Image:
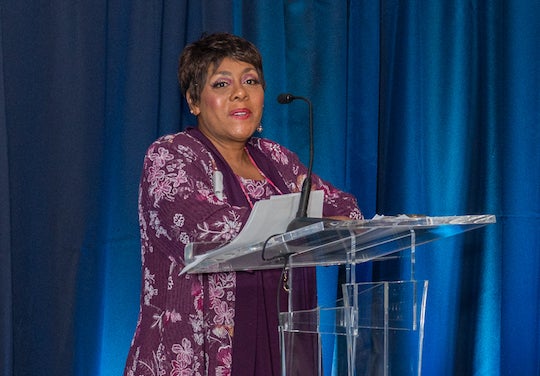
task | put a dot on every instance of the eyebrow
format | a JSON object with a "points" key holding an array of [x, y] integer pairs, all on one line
{"points": [[228, 73]]}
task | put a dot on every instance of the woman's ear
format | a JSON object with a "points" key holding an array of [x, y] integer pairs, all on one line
{"points": [[193, 107]]}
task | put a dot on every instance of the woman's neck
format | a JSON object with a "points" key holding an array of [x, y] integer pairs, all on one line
{"points": [[241, 163], [236, 156]]}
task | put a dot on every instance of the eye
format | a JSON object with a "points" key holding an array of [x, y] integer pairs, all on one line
{"points": [[252, 81], [220, 84]]}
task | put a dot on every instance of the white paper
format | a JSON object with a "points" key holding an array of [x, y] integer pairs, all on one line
{"points": [[269, 217], [272, 216]]}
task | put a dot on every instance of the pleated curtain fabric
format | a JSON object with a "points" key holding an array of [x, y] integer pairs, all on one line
{"points": [[420, 107]]}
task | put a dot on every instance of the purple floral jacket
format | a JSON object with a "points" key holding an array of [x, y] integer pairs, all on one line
{"points": [[186, 322]]}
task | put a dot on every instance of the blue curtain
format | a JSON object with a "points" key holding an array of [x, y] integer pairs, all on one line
{"points": [[6, 312], [459, 124], [425, 107]]}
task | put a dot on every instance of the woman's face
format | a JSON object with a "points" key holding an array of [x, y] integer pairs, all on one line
{"points": [[231, 103]]}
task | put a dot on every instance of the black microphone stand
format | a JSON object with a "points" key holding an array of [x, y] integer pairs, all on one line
{"points": [[301, 219]]}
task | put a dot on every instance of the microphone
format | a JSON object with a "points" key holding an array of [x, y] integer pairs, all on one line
{"points": [[302, 219], [286, 98]]}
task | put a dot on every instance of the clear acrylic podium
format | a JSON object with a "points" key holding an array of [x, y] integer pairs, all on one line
{"points": [[376, 328]]}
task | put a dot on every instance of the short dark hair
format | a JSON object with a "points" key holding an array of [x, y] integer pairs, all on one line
{"points": [[209, 51]]}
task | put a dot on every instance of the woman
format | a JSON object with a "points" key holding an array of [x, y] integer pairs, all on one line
{"points": [[221, 323]]}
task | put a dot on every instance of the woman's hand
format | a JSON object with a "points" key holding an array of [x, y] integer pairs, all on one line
{"points": [[339, 218]]}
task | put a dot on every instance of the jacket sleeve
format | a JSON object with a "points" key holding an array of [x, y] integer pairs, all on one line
{"points": [[293, 172], [177, 203]]}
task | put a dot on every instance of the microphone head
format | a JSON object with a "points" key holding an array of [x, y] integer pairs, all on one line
{"points": [[285, 98]]}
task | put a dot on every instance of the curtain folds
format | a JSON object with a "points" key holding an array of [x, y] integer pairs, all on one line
{"points": [[420, 107], [6, 313]]}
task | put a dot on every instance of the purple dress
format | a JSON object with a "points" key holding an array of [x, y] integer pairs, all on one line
{"points": [[220, 323]]}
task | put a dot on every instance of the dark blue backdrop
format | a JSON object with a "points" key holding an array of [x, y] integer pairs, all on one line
{"points": [[428, 107]]}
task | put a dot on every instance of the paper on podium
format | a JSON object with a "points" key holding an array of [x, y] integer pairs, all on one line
{"points": [[268, 217], [272, 216]]}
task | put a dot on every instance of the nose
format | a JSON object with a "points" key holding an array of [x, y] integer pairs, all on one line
{"points": [[238, 92]]}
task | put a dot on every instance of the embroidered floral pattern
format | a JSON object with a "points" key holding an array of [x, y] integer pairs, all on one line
{"points": [[225, 228], [256, 189], [275, 151], [149, 290], [186, 322]]}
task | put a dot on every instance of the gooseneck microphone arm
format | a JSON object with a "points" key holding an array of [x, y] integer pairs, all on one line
{"points": [[301, 214]]}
